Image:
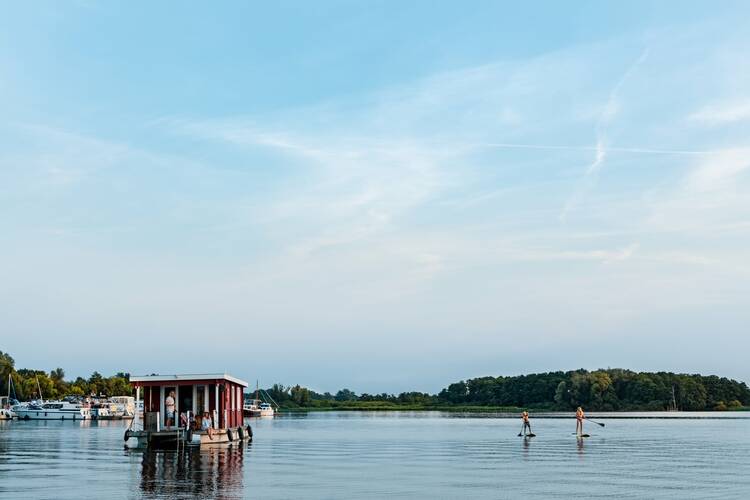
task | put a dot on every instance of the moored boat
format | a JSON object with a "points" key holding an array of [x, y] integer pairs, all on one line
{"points": [[52, 410], [6, 413], [257, 407], [123, 406]]}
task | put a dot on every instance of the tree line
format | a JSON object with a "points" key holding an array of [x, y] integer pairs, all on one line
{"points": [[601, 390], [53, 385]]}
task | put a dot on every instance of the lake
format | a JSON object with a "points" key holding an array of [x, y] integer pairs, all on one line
{"points": [[390, 454]]}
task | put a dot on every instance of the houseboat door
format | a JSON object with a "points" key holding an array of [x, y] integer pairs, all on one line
{"points": [[186, 399]]}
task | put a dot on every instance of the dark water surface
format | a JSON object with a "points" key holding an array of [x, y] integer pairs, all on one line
{"points": [[395, 455]]}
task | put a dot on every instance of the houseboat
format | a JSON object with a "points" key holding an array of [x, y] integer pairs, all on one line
{"points": [[189, 409]]}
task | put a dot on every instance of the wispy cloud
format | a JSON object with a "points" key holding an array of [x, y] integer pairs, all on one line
{"points": [[719, 170], [723, 113], [607, 115]]}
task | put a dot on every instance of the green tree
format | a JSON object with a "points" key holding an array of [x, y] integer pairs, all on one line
{"points": [[345, 395], [7, 367]]}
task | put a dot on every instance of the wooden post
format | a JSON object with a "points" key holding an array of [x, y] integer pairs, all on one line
{"points": [[137, 400], [216, 408]]}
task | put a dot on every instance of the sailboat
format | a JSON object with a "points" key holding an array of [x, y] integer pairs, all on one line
{"points": [[6, 413], [256, 407]]}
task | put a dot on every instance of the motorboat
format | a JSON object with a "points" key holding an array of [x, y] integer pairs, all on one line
{"points": [[123, 406], [266, 410], [52, 410]]}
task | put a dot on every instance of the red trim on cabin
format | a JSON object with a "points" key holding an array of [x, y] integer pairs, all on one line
{"points": [[172, 383]]}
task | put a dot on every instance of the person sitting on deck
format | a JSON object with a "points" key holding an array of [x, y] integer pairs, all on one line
{"points": [[206, 425]]}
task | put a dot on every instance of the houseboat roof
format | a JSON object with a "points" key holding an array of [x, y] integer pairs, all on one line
{"points": [[150, 379]]}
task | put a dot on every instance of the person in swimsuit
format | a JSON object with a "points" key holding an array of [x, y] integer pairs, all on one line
{"points": [[579, 421], [526, 424]]}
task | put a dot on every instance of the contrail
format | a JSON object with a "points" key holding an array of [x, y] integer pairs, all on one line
{"points": [[507, 145]]}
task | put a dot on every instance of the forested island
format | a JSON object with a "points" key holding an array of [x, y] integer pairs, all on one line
{"points": [[611, 389], [602, 390]]}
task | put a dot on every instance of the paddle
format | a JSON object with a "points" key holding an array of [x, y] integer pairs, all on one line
{"points": [[597, 423]]}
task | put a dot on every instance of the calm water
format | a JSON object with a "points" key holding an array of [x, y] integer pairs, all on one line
{"points": [[394, 455]]}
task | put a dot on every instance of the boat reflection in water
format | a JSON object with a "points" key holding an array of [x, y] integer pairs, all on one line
{"points": [[205, 471]]}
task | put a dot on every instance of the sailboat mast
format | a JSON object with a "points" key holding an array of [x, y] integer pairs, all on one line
{"points": [[40, 390]]}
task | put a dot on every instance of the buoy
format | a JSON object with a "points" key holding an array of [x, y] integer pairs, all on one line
{"points": [[249, 433], [241, 433], [127, 434], [229, 435]]}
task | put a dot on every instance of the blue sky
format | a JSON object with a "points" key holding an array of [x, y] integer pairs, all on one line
{"points": [[381, 195]]}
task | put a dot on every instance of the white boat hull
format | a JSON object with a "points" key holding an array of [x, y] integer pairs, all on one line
{"points": [[81, 414]]}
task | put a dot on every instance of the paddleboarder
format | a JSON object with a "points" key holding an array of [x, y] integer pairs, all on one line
{"points": [[526, 424], [579, 421]]}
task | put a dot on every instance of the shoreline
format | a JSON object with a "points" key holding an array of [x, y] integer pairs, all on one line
{"points": [[505, 412]]}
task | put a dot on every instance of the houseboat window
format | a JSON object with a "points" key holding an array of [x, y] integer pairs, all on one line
{"points": [[200, 399]]}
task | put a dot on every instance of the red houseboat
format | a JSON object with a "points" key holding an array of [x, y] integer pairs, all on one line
{"points": [[191, 409]]}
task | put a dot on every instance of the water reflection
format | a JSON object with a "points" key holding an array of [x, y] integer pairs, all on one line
{"points": [[214, 472]]}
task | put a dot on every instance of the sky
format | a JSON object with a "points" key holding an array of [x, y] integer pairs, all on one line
{"points": [[382, 195]]}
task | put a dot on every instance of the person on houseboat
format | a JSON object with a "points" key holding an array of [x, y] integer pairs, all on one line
{"points": [[169, 407], [206, 425]]}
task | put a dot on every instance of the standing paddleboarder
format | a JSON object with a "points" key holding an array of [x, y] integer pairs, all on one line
{"points": [[579, 421], [526, 424]]}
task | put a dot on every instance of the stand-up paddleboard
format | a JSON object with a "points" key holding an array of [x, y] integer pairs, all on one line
{"points": [[531, 435], [581, 435]]}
